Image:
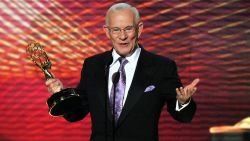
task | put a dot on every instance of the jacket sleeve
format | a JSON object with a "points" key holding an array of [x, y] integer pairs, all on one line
{"points": [[169, 82], [82, 110]]}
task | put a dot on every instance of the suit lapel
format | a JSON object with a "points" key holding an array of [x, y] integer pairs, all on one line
{"points": [[140, 80], [102, 83]]}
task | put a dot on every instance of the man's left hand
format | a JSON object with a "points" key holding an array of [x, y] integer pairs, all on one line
{"points": [[184, 94]]}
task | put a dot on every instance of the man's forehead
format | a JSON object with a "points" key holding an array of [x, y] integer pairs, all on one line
{"points": [[121, 17]]}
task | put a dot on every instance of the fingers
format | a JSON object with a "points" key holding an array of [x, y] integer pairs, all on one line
{"points": [[54, 85], [180, 92], [191, 88], [195, 82], [50, 81], [191, 91], [184, 94], [181, 95]]}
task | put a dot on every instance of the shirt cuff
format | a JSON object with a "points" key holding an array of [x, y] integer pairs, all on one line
{"points": [[180, 106]]}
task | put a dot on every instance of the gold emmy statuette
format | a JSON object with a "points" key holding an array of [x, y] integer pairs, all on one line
{"points": [[63, 101]]}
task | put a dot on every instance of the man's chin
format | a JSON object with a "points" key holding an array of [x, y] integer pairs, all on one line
{"points": [[124, 50], [124, 53]]}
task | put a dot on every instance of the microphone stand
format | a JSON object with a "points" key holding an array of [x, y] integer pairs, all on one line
{"points": [[106, 96]]}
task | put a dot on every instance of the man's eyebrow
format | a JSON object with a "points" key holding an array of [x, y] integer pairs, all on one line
{"points": [[124, 27]]}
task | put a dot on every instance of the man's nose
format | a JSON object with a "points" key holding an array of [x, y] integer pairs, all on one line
{"points": [[123, 35]]}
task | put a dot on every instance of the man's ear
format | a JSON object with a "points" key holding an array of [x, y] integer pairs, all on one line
{"points": [[106, 30], [140, 28]]}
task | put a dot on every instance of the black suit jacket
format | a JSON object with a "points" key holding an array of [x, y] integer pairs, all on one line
{"points": [[140, 115]]}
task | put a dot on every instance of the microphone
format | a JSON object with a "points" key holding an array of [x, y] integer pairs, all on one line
{"points": [[115, 77]]}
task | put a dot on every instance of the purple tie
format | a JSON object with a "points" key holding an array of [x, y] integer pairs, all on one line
{"points": [[120, 89]]}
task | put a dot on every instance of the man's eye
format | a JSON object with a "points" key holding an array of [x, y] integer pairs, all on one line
{"points": [[116, 29], [130, 28]]}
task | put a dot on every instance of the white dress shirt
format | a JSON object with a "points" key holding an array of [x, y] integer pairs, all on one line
{"points": [[130, 71]]}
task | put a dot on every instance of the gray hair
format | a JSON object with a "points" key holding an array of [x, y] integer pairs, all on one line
{"points": [[122, 6]]}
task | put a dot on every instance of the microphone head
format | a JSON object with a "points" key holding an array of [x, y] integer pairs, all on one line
{"points": [[115, 77]]}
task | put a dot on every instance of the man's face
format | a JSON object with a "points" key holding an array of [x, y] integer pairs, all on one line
{"points": [[123, 31]]}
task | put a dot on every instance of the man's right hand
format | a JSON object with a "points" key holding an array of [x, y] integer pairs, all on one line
{"points": [[54, 85]]}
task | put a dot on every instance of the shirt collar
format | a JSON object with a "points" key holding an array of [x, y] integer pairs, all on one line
{"points": [[132, 58]]}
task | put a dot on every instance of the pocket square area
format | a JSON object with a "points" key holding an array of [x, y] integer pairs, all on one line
{"points": [[149, 88]]}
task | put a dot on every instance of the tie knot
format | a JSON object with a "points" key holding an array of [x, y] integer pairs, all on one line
{"points": [[123, 61]]}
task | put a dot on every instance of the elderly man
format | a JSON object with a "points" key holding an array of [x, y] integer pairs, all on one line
{"points": [[125, 89]]}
